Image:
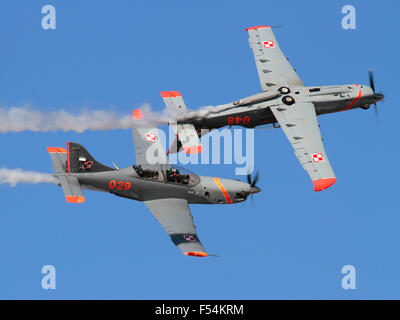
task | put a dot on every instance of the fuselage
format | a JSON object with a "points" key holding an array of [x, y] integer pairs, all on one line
{"points": [[326, 99], [199, 189]]}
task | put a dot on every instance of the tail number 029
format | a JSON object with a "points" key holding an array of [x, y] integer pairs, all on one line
{"points": [[119, 185]]}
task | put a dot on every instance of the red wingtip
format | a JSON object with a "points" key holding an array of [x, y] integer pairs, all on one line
{"points": [[170, 94], [196, 254], [323, 184], [75, 199], [137, 114], [56, 150], [258, 27], [193, 149]]}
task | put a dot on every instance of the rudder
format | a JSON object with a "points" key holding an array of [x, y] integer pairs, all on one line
{"points": [[79, 160]]}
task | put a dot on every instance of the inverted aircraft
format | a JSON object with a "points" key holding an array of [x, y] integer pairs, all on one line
{"points": [[284, 102]]}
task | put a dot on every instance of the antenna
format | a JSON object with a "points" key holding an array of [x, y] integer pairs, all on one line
{"points": [[115, 166]]}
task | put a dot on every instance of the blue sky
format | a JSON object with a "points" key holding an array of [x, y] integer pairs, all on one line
{"points": [[290, 243]]}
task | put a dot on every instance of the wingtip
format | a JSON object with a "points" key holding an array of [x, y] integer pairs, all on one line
{"points": [[75, 199], [170, 94], [323, 184], [56, 150], [257, 27], [196, 254]]}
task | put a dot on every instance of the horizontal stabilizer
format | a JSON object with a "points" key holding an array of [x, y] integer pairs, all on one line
{"points": [[72, 189], [58, 159], [187, 133]]}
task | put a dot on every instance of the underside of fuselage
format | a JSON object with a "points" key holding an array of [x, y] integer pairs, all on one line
{"points": [[329, 99], [259, 117]]}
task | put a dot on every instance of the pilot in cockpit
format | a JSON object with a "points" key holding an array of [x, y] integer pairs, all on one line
{"points": [[173, 175], [146, 173]]}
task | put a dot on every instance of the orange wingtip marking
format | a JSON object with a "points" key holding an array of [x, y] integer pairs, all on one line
{"points": [[196, 254], [193, 149], [75, 199], [137, 114], [323, 184], [56, 150], [258, 27], [223, 190], [170, 94]]}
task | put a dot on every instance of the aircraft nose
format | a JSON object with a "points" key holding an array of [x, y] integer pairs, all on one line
{"points": [[255, 190], [367, 91], [379, 97]]}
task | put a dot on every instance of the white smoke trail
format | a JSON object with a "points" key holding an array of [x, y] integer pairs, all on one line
{"points": [[18, 119], [15, 176], [203, 112]]}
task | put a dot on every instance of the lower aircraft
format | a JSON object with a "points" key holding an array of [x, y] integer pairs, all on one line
{"points": [[166, 190]]}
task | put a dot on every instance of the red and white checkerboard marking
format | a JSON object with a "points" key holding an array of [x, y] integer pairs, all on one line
{"points": [[87, 165], [189, 238], [150, 137], [318, 157], [269, 44]]}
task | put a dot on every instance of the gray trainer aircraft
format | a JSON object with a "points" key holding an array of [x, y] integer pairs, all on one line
{"points": [[284, 100], [164, 189]]}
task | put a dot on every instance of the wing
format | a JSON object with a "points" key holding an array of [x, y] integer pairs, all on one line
{"points": [[148, 147], [186, 132], [274, 69], [299, 122], [174, 215]]}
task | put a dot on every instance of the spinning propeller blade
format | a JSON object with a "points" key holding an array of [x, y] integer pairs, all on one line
{"points": [[377, 96], [252, 183]]}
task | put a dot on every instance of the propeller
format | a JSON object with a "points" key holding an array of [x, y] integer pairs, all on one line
{"points": [[377, 96], [371, 80], [252, 182], [372, 85]]}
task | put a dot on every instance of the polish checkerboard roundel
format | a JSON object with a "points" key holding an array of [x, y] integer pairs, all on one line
{"points": [[318, 157], [189, 237], [150, 136], [87, 165], [269, 44]]}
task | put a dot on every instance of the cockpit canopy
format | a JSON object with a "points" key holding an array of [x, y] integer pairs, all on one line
{"points": [[168, 174]]}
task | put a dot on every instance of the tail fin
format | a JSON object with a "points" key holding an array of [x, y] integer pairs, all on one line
{"points": [[80, 160], [76, 159]]}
